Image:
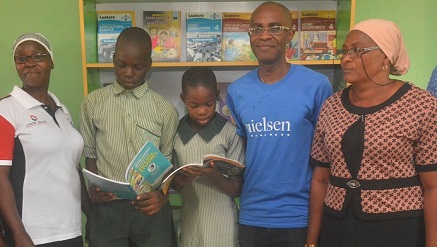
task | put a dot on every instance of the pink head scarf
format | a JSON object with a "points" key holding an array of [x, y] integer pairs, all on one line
{"points": [[387, 36]]}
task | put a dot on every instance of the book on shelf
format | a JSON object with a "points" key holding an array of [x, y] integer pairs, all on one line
{"points": [[318, 35], [228, 167], [164, 28], [222, 107], [204, 31], [293, 51], [236, 42], [145, 172], [109, 26]]}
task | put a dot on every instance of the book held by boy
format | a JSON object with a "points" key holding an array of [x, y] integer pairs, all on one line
{"points": [[144, 173], [109, 26], [164, 28], [204, 31]]}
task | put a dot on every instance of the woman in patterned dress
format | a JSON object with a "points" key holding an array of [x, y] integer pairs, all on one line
{"points": [[374, 150]]}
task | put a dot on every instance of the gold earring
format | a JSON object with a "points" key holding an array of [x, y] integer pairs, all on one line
{"points": [[384, 67]]}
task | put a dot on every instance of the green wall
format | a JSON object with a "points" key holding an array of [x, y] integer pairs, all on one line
{"points": [[58, 20], [417, 21]]}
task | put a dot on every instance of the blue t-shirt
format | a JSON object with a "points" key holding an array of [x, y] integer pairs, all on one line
{"points": [[278, 121]]}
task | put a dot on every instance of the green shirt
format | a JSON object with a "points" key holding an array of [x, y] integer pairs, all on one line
{"points": [[115, 123]]}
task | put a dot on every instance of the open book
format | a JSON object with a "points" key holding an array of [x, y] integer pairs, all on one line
{"points": [[228, 167], [144, 173]]}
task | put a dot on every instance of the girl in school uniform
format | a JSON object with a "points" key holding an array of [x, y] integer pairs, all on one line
{"points": [[209, 212]]}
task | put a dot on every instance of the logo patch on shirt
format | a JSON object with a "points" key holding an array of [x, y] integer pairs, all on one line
{"points": [[266, 128], [35, 121]]}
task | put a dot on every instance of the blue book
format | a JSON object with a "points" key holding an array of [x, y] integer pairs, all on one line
{"points": [[204, 31], [145, 172], [109, 26]]}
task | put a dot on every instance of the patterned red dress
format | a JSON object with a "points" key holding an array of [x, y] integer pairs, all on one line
{"points": [[374, 155]]}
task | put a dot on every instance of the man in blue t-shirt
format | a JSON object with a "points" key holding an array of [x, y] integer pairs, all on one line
{"points": [[275, 108]]}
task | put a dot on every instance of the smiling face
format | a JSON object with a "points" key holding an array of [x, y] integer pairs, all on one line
{"points": [[201, 103], [358, 69], [33, 74], [270, 48]]}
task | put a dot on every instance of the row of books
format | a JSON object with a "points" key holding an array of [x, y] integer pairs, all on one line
{"points": [[216, 36]]}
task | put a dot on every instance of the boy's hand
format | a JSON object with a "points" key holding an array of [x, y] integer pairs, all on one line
{"points": [[151, 202], [97, 195]]}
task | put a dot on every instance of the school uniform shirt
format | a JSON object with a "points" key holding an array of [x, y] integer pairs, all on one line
{"points": [[43, 152], [375, 153], [115, 123], [208, 216]]}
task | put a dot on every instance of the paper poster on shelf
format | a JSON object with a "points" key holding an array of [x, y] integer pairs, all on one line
{"points": [[236, 43], [204, 31], [293, 51], [318, 35], [109, 26], [164, 28]]}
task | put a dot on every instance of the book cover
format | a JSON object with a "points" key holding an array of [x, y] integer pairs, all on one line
{"points": [[318, 35], [222, 107], [145, 172], [293, 51], [236, 42], [109, 26], [203, 30], [164, 28]]}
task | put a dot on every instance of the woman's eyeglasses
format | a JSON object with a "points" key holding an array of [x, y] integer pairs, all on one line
{"points": [[357, 51], [36, 57]]}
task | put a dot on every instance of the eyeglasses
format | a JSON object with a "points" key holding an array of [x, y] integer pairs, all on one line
{"points": [[36, 57], [256, 31], [357, 51]]}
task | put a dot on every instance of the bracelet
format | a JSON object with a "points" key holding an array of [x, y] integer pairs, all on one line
{"points": [[311, 245]]}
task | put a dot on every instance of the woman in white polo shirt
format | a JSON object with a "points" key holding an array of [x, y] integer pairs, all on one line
{"points": [[40, 187]]}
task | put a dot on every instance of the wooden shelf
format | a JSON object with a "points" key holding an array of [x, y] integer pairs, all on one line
{"points": [[87, 13], [214, 64]]}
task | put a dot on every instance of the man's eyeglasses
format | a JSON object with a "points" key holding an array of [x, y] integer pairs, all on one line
{"points": [[357, 51], [256, 31], [36, 57]]}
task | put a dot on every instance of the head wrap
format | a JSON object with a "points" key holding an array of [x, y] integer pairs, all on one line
{"points": [[39, 38], [387, 36]]}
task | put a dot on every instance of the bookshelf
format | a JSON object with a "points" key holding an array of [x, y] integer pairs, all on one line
{"points": [[94, 73]]}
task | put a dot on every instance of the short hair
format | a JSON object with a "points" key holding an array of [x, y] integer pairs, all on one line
{"points": [[135, 36], [285, 11], [199, 77]]}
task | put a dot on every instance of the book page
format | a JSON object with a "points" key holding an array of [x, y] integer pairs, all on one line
{"points": [[165, 185], [122, 190], [228, 167]]}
